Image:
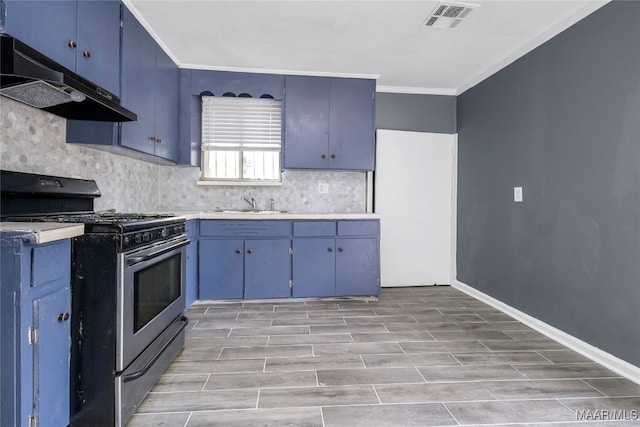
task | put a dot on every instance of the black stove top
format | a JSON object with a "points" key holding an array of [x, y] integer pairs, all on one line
{"points": [[104, 217]]}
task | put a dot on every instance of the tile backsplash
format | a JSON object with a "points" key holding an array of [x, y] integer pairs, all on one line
{"points": [[298, 193], [33, 141]]}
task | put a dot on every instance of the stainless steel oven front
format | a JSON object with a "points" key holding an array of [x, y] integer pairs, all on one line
{"points": [[150, 295]]}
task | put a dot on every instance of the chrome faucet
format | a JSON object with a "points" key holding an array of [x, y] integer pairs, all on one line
{"points": [[273, 204], [251, 201]]}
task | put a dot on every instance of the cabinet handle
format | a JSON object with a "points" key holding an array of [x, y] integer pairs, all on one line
{"points": [[324, 156], [238, 251], [158, 140], [72, 44], [152, 138], [86, 54], [340, 249], [329, 249], [249, 251], [63, 317], [333, 156]]}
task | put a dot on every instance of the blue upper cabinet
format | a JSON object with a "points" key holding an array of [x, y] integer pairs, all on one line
{"points": [[150, 85], [351, 130], [166, 118], [138, 84], [98, 51], [46, 26], [306, 124], [329, 123], [83, 36]]}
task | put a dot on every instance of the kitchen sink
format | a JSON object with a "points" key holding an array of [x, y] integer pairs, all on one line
{"points": [[249, 211]]}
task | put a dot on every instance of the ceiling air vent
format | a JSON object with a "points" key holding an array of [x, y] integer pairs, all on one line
{"points": [[448, 15]]}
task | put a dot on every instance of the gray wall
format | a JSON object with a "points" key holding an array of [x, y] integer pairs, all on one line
{"points": [[414, 112], [563, 122]]}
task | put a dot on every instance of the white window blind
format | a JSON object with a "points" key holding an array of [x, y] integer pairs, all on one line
{"points": [[241, 138]]}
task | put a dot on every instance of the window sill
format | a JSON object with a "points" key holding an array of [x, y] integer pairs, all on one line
{"points": [[240, 183]]}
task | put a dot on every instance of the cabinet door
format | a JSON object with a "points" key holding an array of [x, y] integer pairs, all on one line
{"points": [[306, 122], [98, 34], [191, 285], [351, 136], [357, 266], [138, 84], [47, 26], [314, 272], [221, 269], [166, 120], [51, 357], [267, 268]]}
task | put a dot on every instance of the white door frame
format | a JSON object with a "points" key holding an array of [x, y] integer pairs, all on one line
{"points": [[413, 276], [454, 210]]}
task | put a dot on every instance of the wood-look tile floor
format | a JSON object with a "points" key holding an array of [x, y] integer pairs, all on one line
{"points": [[430, 356]]}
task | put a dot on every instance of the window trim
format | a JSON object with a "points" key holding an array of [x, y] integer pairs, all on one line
{"points": [[244, 183], [241, 146]]}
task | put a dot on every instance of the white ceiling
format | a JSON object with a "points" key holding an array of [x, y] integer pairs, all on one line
{"points": [[381, 39]]}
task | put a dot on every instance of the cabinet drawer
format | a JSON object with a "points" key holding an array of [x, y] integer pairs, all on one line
{"points": [[50, 262], [248, 228], [358, 228], [314, 228]]}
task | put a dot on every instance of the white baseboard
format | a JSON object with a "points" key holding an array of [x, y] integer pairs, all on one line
{"points": [[607, 360]]}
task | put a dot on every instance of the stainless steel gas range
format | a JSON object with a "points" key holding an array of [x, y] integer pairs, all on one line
{"points": [[127, 289]]}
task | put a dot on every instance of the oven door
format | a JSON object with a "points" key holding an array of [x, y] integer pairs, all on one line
{"points": [[150, 295]]}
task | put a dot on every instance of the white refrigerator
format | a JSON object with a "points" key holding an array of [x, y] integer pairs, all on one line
{"points": [[414, 193]]}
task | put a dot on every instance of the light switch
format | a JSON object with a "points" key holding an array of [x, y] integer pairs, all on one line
{"points": [[517, 194], [323, 187]]}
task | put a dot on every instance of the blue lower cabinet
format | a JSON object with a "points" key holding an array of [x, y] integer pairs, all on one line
{"points": [[245, 259], [231, 268], [191, 285], [221, 269], [281, 259], [51, 354], [35, 344], [267, 268], [357, 266], [314, 267], [336, 258]]}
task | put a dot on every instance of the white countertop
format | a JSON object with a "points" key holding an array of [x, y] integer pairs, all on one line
{"points": [[275, 215], [43, 232]]}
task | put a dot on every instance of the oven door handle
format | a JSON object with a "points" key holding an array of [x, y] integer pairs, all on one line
{"points": [[138, 259], [137, 374]]}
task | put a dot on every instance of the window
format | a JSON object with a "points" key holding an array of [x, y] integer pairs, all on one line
{"points": [[241, 139]]}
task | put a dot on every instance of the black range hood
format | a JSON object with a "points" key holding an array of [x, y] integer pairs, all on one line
{"points": [[30, 77], [32, 194]]}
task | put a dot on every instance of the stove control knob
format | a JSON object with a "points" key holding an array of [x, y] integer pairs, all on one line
{"points": [[146, 237], [138, 238], [164, 232], [176, 229]]}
